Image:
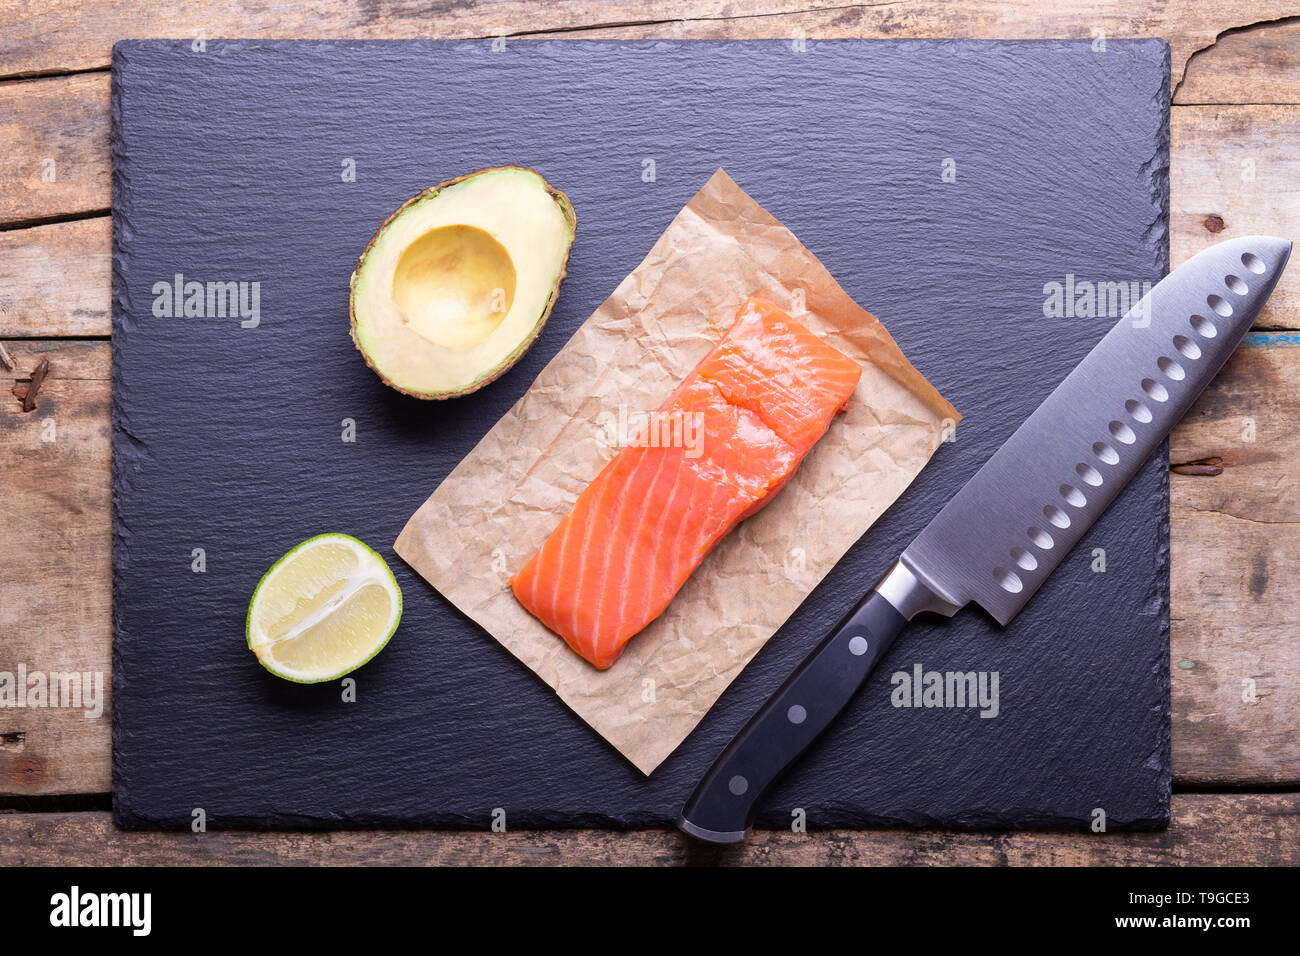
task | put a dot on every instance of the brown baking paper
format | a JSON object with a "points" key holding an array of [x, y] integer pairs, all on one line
{"points": [[499, 504]]}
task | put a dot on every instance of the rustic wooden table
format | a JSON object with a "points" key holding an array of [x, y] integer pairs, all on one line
{"points": [[1235, 660]]}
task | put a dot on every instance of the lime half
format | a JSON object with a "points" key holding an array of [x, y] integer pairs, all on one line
{"points": [[323, 609]]}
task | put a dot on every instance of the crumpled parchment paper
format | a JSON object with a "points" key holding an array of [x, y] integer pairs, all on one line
{"points": [[499, 504]]}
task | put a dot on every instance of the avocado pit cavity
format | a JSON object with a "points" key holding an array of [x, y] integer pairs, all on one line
{"points": [[454, 286]]}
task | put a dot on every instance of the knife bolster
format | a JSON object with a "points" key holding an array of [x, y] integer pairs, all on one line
{"points": [[909, 595]]}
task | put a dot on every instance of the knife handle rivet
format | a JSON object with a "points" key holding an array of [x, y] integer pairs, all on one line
{"points": [[738, 785], [796, 714], [858, 645]]}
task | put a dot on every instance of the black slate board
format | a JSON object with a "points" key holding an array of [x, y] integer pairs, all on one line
{"points": [[227, 166]]}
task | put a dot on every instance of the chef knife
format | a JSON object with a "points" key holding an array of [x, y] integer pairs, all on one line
{"points": [[999, 538]]}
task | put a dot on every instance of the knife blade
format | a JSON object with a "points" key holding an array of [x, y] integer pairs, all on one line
{"points": [[995, 542]]}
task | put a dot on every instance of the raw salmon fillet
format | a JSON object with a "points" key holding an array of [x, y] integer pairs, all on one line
{"points": [[716, 451]]}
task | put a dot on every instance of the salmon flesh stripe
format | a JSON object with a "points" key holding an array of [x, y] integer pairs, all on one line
{"points": [[726, 440]]}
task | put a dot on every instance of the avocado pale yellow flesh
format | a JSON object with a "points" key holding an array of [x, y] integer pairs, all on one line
{"points": [[458, 282]]}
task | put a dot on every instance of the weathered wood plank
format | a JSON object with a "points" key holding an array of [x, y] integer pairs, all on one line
{"points": [[54, 279], [1236, 172], [1235, 540], [1207, 830], [53, 147], [69, 35], [54, 564], [1246, 65]]}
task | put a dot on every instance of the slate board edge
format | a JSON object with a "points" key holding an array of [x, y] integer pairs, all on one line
{"points": [[119, 452], [216, 45], [1161, 196]]}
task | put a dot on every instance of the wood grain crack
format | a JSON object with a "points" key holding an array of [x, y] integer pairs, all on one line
{"points": [[1207, 467], [1236, 517], [14, 79], [1230, 31], [33, 222]]}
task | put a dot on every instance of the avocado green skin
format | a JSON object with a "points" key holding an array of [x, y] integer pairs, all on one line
{"points": [[248, 616], [566, 207]]}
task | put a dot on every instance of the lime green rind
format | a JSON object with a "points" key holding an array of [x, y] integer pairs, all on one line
{"points": [[248, 617]]}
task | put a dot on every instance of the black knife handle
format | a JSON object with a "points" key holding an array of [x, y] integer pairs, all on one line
{"points": [[722, 806]]}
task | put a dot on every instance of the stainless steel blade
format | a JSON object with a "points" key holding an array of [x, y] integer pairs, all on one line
{"points": [[1000, 537]]}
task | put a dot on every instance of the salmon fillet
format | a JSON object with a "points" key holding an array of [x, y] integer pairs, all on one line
{"points": [[725, 441]]}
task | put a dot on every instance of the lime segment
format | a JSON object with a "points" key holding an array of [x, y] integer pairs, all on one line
{"points": [[323, 610]]}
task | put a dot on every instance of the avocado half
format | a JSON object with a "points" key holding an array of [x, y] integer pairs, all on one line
{"points": [[458, 282]]}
